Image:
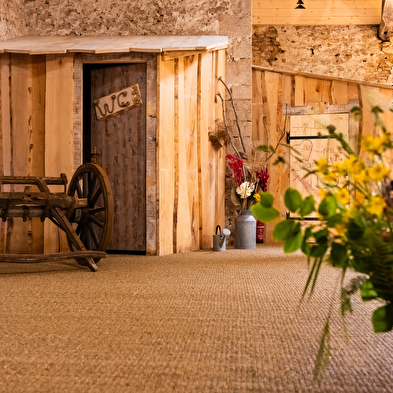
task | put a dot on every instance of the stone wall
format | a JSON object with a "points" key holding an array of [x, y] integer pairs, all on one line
{"points": [[230, 18], [351, 52], [12, 19]]}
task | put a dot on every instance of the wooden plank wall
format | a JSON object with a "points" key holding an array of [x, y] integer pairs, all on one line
{"points": [[191, 171], [22, 110], [38, 114], [317, 12], [277, 93], [36, 137], [59, 138]]}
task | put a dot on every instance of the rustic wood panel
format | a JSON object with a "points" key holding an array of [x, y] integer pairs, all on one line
{"points": [[339, 93], [366, 103], [59, 112], [316, 91], [19, 232], [182, 215], [317, 12], [310, 95], [298, 96], [207, 152], [191, 147], [120, 142], [312, 150], [166, 125], [5, 134], [258, 130], [105, 44], [38, 141], [151, 156], [220, 59]]}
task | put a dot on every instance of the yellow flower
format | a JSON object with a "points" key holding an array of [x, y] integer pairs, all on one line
{"points": [[386, 138], [356, 167], [373, 145], [330, 178], [257, 197], [340, 229], [347, 216], [359, 200], [322, 165], [378, 172], [376, 205], [360, 177], [322, 193], [342, 196], [347, 164], [340, 168]]}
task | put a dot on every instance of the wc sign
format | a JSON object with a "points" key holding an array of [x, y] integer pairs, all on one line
{"points": [[118, 102]]}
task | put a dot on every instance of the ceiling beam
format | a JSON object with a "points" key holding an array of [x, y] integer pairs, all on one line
{"points": [[386, 26]]}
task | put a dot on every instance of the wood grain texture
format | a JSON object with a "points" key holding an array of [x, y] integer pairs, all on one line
{"points": [[313, 96], [59, 150], [317, 12], [19, 232], [38, 141], [191, 147], [107, 44], [182, 215], [120, 142], [5, 132], [220, 60], [207, 153], [166, 124]]}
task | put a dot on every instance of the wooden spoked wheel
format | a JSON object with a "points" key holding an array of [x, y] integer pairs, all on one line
{"points": [[93, 223]]}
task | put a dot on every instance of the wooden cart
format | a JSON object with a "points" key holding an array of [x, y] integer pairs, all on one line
{"points": [[85, 212]]}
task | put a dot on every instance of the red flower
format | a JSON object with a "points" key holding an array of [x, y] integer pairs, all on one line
{"points": [[236, 164], [262, 177]]}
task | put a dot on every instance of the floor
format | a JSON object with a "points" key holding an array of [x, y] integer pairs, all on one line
{"points": [[196, 322]]}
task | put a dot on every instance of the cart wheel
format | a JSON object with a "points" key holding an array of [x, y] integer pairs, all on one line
{"points": [[93, 223]]}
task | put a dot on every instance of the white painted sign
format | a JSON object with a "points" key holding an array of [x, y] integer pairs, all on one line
{"points": [[121, 101]]}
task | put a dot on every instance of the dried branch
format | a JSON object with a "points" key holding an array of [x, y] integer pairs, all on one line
{"points": [[225, 125], [234, 111]]}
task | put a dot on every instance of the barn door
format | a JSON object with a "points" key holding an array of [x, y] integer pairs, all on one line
{"points": [[114, 138]]}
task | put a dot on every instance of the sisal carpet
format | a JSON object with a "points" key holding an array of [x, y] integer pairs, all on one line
{"points": [[197, 322]]}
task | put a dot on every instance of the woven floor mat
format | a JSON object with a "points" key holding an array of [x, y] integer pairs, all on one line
{"points": [[196, 322]]}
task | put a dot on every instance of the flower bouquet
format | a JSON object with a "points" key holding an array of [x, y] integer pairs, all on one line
{"points": [[248, 182], [354, 230]]}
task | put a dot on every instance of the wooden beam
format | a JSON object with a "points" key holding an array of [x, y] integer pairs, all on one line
{"points": [[386, 26]]}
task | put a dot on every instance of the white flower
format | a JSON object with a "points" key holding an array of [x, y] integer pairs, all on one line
{"points": [[245, 189]]}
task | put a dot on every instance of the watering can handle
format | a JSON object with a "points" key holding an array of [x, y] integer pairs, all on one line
{"points": [[218, 228]]}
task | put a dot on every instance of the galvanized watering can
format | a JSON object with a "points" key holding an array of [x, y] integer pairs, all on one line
{"points": [[219, 239]]}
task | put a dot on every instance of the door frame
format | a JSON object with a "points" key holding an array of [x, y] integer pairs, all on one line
{"points": [[151, 128]]}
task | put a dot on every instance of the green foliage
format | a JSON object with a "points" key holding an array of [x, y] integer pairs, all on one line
{"points": [[324, 351], [327, 207], [367, 291], [350, 234], [339, 255], [292, 199], [307, 206], [383, 319], [264, 209]]}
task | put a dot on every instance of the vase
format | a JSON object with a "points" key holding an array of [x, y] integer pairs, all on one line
{"points": [[246, 231]]}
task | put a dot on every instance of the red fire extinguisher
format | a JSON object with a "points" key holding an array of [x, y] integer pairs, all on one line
{"points": [[260, 231]]}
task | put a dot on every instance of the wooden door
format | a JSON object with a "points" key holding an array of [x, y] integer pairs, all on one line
{"points": [[117, 142]]}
